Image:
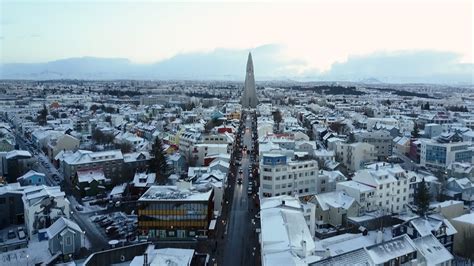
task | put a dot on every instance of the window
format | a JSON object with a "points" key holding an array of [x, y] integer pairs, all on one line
{"points": [[68, 241]]}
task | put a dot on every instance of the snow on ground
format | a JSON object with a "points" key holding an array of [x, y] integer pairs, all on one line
{"points": [[36, 252]]}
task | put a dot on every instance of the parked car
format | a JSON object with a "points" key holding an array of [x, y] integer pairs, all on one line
{"points": [[106, 222], [21, 233], [110, 230], [11, 234], [99, 218]]}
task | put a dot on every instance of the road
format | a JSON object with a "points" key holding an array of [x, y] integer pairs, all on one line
{"points": [[240, 233], [97, 239]]}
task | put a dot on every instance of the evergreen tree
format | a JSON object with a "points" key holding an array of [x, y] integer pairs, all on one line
{"points": [[42, 116], [422, 198], [158, 163], [415, 132]]}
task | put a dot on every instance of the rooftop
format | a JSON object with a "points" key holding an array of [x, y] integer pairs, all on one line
{"points": [[173, 193]]}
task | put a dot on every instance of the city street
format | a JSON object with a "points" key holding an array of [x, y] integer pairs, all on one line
{"points": [[240, 232]]}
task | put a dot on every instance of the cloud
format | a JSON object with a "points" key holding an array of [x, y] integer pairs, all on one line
{"points": [[404, 66], [269, 60]]}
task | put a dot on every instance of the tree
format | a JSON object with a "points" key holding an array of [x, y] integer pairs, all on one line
{"points": [[108, 119], [337, 127], [125, 147], [158, 162], [277, 118], [415, 133], [422, 198], [94, 108], [42, 116]]}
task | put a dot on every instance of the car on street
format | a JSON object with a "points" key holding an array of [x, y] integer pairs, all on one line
{"points": [[249, 190], [79, 208], [21, 233], [11, 234], [239, 180]]}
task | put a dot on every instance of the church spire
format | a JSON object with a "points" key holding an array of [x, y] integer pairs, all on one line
{"points": [[249, 96]]}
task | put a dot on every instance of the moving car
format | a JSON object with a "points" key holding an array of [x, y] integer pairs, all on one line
{"points": [[239, 180]]}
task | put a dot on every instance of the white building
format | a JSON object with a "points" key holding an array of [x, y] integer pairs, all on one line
{"points": [[285, 238], [391, 184], [280, 176], [355, 155], [43, 205], [363, 194]]}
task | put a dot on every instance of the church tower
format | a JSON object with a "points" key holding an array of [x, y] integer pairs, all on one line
{"points": [[249, 97]]}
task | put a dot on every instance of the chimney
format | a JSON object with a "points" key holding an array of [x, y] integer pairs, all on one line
{"points": [[303, 246], [379, 237], [327, 253]]}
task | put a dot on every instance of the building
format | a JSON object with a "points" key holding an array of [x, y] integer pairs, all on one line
{"points": [[434, 225], [65, 237], [42, 206], [355, 155], [32, 178], [175, 212], [464, 225], [380, 139], [280, 176], [391, 184], [363, 194], [11, 205], [91, 182], [249, 96], [61, 142], [441, 152], [397, 251], [333, 208], [111, 163], [285, 238]]}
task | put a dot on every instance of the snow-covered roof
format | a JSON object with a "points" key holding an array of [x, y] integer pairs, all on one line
{"points": [[356, 185], [59, 225], [87, 176], [174, 193], [84, 157], [389, 250], [334, 199], [30, 174], [17, 153], [143, 179], [165, 256], [284, 230], [466, 218], [432, 250]]}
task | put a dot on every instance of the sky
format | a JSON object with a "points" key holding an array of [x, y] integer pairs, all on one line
{"points": [[312, 37]]}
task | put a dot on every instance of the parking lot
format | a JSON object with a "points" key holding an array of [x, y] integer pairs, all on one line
{"points": [[117, 226]]}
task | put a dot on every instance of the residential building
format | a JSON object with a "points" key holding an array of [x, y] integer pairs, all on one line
{"points": [[391, 184], [32, 178], [285, 238], [355, 155], [380, 139], [111, 163], [333, 208], [11, 205], [65, 237], [42, 206], [363, 194], [281, 176]]}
